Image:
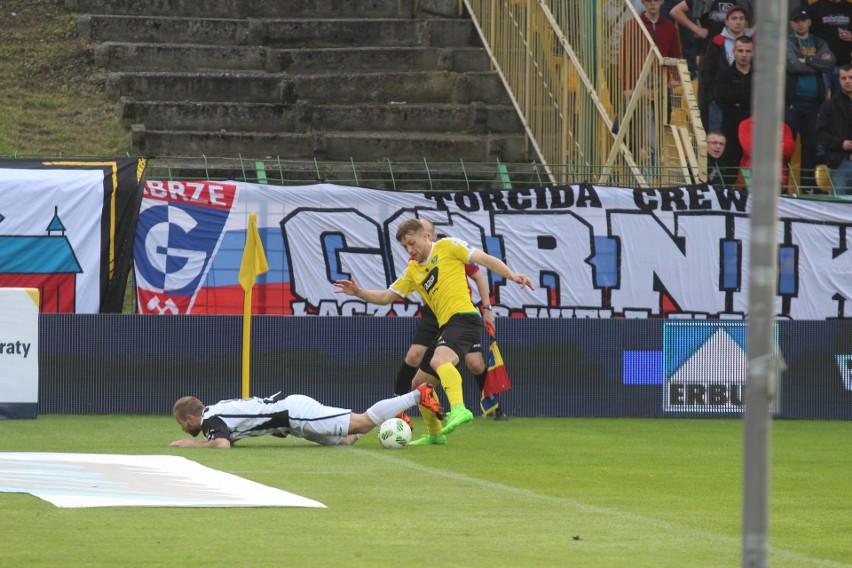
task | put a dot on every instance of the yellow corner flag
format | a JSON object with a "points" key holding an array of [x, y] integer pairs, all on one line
{"points": [[254, 259], [253, 263]]}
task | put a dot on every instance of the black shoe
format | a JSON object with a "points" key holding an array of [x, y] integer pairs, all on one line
{"points": [[499, 415]]}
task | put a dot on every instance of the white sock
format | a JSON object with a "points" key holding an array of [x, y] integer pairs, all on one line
{"points": [[390, 407]]}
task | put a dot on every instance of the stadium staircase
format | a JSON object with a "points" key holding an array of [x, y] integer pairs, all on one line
{"points": [[328, 80]]}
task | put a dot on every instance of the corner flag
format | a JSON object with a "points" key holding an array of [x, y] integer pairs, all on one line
{"points": [[254, 259], [252, 264], [496, 378]]}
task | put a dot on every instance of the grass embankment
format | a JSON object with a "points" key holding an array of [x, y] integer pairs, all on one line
{"points": [[52, 101]]}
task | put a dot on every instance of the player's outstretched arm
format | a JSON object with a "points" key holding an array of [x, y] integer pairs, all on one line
{"points": [[351, 288], [494, 264], [482, 287]]}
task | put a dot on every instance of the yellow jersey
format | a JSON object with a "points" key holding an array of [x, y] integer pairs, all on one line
{"points": [[441, 281]]}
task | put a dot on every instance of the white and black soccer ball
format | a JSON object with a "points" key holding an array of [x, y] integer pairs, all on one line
{"points": [[394, 434]]}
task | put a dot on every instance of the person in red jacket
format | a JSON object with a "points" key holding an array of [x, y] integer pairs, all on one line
{"points": [[634, 49], [788, 146]]}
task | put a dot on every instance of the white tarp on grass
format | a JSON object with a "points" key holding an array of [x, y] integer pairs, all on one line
{"points": [[106, 480]]}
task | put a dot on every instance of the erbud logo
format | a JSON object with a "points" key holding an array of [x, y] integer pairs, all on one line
{"points": [[705, 366]]}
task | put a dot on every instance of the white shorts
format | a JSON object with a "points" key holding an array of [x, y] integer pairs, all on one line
{"points": [[316, 422]]}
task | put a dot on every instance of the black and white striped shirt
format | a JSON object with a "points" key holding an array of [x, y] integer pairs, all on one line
{"points": [[244, 418]]}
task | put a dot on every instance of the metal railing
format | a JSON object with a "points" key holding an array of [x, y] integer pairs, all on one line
{"points": [[419, 175], [422, 175], [594, 91]]}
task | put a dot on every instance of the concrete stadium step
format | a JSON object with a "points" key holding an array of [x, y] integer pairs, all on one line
{"points": [[350, 88], [474, 118], [304, 33], [303, 79], [337, 146], [176, 57], [265, 8]]}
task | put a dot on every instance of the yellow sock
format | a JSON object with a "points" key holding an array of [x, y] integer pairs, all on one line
{"points": [[451, 380], [433, 425]]}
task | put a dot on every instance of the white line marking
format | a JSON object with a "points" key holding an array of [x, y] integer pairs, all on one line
{"points": [[564, 502]]}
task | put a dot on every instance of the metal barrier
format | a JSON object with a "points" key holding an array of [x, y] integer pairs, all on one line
{"points": [[425, 175], [594, 92], [422, 175], [418, 176]]}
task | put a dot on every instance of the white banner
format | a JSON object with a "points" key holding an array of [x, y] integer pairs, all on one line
{"points": [[18, 352], [50, 235], [109, 480], [593, 252]]}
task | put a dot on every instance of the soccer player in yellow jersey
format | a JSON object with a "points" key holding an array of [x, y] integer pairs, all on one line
{"points": [[436, 272]]}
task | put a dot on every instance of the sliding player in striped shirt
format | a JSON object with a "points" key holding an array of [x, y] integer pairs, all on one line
{"points": [[296, 415]]}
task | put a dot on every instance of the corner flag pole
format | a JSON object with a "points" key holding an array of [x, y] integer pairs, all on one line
{"points": [[252, 264], [768, 97]]}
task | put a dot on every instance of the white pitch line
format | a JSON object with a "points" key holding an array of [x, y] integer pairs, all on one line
{"points": [[564, 502]]}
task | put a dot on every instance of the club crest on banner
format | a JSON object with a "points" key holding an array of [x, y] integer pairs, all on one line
{"points": [[179, 231]]}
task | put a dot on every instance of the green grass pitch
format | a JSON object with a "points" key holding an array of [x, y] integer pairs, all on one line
{"points": [[527, 492]]}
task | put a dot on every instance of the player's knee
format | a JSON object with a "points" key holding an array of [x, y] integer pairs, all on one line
{"points": [[442, 357], [476, 367], [413, 361], [415, 355], [360, 424]]}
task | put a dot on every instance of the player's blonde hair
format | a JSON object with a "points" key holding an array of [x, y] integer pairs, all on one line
{"points": [[409, 227], [187, 406]]}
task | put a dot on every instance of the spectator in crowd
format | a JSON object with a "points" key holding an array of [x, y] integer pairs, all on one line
{"points": [[718, 173], [732, 90], [711, 14], [719, 52], [834, 133], [788, 146], [830, 22], [808, 57], [634, 50], [687, 39]]}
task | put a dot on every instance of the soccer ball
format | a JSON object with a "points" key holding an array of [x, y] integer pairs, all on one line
{"points": [[394, 434]]}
